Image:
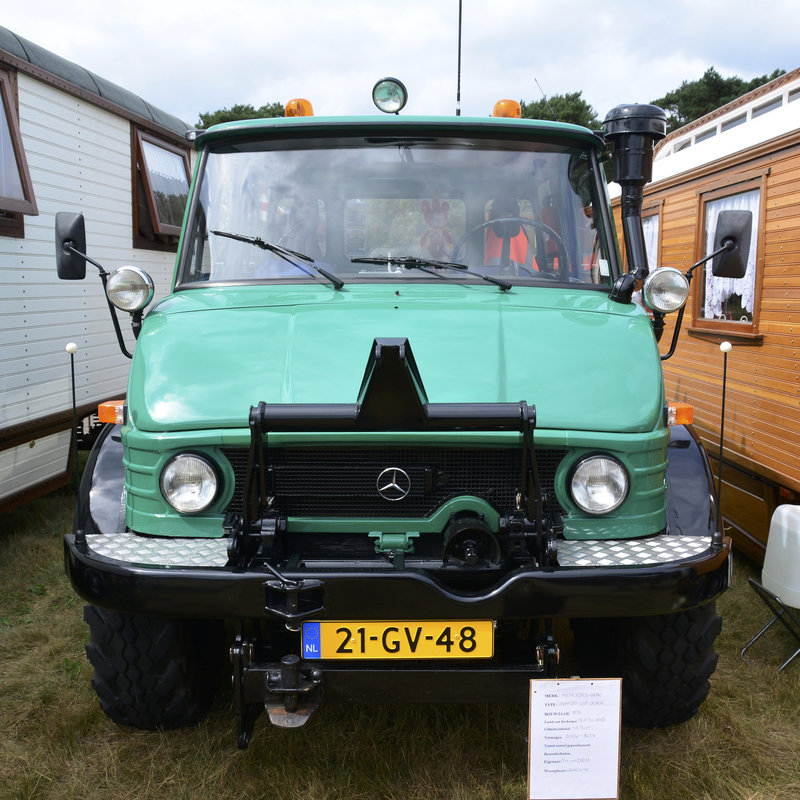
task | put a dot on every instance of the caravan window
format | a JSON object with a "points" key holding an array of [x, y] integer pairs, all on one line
{"points": [[16, 189], [726, 302], [651, 229]]}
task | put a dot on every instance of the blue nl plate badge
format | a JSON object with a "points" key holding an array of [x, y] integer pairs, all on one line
{"points": [[311, 640]]}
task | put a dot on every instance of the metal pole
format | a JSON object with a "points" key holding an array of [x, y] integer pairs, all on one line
{"points": [[72, 348], [458, 81], [725, 348]]}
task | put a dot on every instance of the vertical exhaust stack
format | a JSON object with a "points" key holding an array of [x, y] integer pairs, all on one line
{"points": [[634, 130]]}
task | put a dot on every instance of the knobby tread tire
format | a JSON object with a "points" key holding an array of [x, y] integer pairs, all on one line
{"points": [[153, 673], [667, 663]]}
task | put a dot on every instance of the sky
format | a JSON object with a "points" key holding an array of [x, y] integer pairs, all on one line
{"points": [[193, 57]]}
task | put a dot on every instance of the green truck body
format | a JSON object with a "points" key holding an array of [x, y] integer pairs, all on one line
{"points": [[377, 410]]}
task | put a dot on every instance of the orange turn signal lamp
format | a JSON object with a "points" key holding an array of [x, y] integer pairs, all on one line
{"points": [[507, 108], [299, 107], [680, 414], [112, 411]]}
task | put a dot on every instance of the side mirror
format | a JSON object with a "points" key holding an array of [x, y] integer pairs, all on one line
{"points": [[733, 231], [70, 246]]}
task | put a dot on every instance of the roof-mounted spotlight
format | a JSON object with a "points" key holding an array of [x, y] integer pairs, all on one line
{"points": [[389, 95]]}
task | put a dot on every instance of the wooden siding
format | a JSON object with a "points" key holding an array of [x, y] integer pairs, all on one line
{"points": [[762, 420]]}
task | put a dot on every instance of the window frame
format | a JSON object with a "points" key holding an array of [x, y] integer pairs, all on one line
{"points": [[192, 262], [12, 210], [142, 183], [719, 191]]}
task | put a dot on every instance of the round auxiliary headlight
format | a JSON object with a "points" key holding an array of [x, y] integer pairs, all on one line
{"points": [[129, 288], [189, 483], [389, 95], [665, 290], [599, 484]]}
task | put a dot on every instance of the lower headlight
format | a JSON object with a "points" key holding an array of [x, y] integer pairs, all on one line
{"points": [[189, 483], [599, 484]]}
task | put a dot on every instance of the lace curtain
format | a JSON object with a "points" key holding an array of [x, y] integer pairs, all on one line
{"points": [[650, 229], [720, 290]]}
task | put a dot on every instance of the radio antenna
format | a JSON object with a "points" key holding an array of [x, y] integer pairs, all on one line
{"points": [[458, 78], [544, 97]]}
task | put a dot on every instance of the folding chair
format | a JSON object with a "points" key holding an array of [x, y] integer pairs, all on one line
{"points": [[780, 577]]}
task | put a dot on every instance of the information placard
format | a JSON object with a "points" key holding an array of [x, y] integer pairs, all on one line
{"points": [[574, 739]]}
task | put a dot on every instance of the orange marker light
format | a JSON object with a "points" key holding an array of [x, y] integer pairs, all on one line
{"points": [[299, 107], [680, 414], [507, 108], [112, 411]]}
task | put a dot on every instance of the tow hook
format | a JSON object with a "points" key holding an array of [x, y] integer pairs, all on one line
{"points": [[286, 691], [286, 687], [548, 656]]}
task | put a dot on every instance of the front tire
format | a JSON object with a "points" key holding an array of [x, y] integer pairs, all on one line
{"points": [[153, 673], [665, 662]]}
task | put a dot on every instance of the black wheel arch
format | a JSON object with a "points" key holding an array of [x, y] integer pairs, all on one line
{"points": [[101, 507], [691, 494]]}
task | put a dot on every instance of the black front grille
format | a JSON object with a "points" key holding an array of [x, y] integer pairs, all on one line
{"points": [[343, 482]]}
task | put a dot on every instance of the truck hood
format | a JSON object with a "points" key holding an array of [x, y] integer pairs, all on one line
{"points": [[205, 356]]}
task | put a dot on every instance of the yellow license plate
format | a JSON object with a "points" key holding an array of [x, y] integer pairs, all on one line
{"points": [[398, 639]]}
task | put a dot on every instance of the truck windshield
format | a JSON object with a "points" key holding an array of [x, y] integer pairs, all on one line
{"points": [[366, 210]]}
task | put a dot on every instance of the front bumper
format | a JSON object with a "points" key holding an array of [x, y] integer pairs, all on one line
{"points": [[189, 578]]}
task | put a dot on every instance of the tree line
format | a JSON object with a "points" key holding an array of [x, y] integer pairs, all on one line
{"points": [[691, 100]]}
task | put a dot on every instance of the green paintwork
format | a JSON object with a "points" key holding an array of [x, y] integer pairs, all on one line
{"points": [[394, 542], [643, 454], [464, 127], [205, 356]]}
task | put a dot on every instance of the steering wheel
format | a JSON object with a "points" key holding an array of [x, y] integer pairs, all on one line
{"points": [[562, 250]]}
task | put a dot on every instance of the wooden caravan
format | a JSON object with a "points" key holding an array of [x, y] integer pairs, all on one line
{"points": [[71, 141], [745, 156]]}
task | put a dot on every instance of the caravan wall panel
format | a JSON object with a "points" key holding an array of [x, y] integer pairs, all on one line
{"points": [[80, 160]]}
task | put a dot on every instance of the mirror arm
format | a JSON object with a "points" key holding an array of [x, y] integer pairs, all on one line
{"points": [[728, 244], [69, 247], [675, 333]]}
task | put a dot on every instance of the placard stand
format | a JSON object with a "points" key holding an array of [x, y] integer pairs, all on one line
{"points": [[574, 739]]}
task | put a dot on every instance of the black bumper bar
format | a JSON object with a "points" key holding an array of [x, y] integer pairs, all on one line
{"points": [[223, 592]]}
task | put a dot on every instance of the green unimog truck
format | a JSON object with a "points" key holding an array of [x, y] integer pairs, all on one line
{"points": [[398, 432]]}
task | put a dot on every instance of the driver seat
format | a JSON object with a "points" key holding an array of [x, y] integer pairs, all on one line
{"points": [[506, 240]]}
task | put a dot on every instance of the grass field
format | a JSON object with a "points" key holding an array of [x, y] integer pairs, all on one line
{"points": [[56, 743]]}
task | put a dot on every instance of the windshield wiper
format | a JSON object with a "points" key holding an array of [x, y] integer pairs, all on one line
{"points": [[292, 256], [430, 265]]}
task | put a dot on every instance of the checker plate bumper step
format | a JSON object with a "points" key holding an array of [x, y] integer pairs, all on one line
{"points": [[183, 552]]}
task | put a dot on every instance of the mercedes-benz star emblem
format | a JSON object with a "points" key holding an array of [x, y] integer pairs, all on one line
{"points": [[393, 484]]}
